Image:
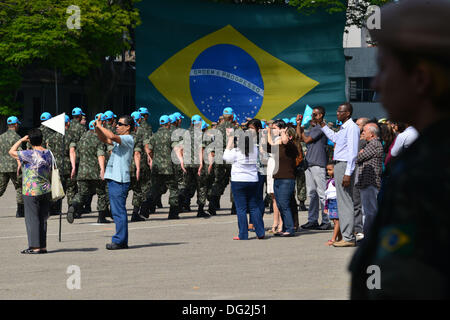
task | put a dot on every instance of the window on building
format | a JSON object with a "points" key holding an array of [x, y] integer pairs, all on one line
{"points": [[361, 91]]}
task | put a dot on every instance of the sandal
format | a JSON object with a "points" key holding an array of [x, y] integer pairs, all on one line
{"points": [[32, 251]]}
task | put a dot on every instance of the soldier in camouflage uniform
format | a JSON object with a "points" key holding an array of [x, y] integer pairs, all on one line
{"points": [[90, 175], [76, 130], [9, 167], [162, 168], [196, 172], [222, 172], [59, 146], [405, 254], [138, 167]]}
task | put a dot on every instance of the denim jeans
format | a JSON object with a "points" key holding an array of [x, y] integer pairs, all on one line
{"points": [[117, 198], [283, 190], [260, 194], [245, 195]]}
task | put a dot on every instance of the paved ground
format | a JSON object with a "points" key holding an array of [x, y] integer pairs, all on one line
{"points": [[190, 258]]}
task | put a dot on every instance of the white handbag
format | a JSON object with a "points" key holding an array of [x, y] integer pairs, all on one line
{"points": [[56, 185]]}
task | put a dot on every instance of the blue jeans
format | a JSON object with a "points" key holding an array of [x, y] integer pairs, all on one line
{"points": [[245, 196], [117, 199], [283, 190], [260, 195]]}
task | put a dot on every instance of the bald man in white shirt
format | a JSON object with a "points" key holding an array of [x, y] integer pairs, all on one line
{"points": [[345, 152]]}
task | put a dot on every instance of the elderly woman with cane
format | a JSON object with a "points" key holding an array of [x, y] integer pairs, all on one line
{"points": [[36, 189]]}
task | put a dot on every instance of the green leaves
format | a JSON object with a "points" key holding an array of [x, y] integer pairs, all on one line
{"points": [[37, 32]]}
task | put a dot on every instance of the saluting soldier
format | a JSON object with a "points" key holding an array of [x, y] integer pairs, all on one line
{"points": [[162, 168], [90, 176], [9, 167]]}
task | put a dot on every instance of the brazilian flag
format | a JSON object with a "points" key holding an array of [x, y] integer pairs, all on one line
{"points": [[264, 61]]}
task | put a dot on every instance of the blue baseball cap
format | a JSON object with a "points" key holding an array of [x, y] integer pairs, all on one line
{"points": [[143, 110], [178, 115], [164, 119], [98, 114], [109, 114], [228, 111], [12, 120], [173, 118], [45, 116], [91, 125], [104, 117], [67, 119], [286, 120], [77, 112], [196, 118], [136, 115]]}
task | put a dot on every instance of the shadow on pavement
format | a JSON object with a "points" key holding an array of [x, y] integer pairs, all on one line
{"points": [[73, 250], [155, 245]]}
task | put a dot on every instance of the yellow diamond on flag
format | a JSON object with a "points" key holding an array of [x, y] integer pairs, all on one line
{"points": [[225, 69]]}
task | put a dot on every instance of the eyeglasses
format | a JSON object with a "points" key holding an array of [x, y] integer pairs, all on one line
{"points": [[122, 124]]}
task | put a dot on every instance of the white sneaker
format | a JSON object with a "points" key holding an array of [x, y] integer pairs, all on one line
{"points": [[359, 236]]}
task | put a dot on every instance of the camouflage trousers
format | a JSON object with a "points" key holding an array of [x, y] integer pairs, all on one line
{"points": [[222, 173], [193, 182], [140, 188], [161, 182], [17, 183], [88, 187], [300, 182], [71, 188]]}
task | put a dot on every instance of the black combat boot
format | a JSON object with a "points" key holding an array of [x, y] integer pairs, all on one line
{"points": [[74, 212], [20, 213], [102, 217], [212, 205], [173, 213], [201, 213], [135, 217], [301, 206], [158, 203]]}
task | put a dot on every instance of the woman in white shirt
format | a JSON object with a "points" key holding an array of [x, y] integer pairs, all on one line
{"points": [[244, 181]]}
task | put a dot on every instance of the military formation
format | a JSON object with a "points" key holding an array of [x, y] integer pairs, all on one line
{"points": [[172, 159]]}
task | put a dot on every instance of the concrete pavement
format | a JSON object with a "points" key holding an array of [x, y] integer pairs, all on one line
{"points": [[191, 258]]}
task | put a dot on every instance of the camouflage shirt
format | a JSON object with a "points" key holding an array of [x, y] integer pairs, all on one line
{"points": [[59, 146], [7, 140], [139, 136], [161, 145], [191, 156], [76, 130], [89, 149], [148, 128], [409, 240]]}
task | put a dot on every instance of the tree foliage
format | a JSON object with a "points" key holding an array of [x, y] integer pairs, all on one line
{"points": [[36, 32]]}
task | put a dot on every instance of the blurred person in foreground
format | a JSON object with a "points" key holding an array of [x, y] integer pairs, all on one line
{"points": [[409, 240]]}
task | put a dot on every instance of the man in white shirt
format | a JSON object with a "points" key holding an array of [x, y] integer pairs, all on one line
{"points": [[404, 140], [345, 152]]}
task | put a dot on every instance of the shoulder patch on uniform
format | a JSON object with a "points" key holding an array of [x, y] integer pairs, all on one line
{"points": [[396, 239]]}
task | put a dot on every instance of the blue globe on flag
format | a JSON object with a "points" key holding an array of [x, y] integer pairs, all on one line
{"points": [[223, 76]]}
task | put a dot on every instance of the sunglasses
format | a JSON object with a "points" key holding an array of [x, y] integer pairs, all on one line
{"points": [[122, 124]]}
